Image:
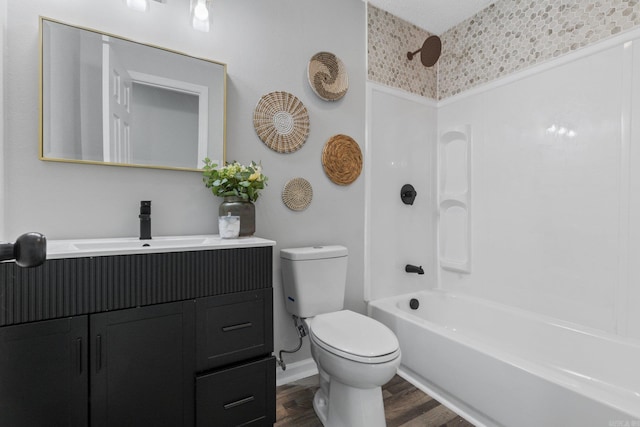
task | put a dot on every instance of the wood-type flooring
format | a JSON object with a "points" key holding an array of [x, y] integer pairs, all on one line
{"points": [[405, 406]]}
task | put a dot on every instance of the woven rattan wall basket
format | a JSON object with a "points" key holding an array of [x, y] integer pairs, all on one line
{"points": [[297, 194], [342, 159], [281, 121], [327, 76]]}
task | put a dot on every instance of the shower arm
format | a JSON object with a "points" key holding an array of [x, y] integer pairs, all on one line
{"points": [[410, 55]]}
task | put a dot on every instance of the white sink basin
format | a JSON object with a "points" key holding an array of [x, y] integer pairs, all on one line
{"points": [[131, 245]]}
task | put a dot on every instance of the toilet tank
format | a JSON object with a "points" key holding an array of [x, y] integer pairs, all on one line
{"points": [[314, 279]]}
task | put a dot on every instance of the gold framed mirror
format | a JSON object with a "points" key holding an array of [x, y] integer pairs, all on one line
{"points": [[108, 100]]}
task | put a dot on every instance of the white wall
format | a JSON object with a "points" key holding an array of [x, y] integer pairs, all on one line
{"points": [[628, 302], [267, 46], [3, 25], [401, 149], [551, 218]]}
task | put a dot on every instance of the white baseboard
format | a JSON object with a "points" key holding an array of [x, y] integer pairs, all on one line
{"points": [[295, 371]]}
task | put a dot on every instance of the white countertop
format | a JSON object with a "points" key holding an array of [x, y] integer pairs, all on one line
{"points": [[76, 248]]}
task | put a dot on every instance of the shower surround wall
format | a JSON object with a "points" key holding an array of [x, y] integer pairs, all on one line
{"points": [[399, 128], [554, 161], [554, 225], [556, 221]]}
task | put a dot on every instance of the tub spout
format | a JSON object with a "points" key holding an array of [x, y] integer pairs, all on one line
{"points": [[413, 269]]}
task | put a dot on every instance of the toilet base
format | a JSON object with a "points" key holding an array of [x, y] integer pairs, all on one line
{"points": [[349, 406]]}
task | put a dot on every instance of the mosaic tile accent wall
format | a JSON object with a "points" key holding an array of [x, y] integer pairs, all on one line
{"points": [[511, 35], [506, 37], [389, 40]]}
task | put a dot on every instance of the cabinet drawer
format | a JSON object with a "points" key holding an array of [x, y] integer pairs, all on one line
{"points": [[242, 395], [233, 327]]}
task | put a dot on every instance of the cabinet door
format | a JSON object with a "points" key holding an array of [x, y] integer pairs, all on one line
{"points": [[43, 373], [142, 365]]}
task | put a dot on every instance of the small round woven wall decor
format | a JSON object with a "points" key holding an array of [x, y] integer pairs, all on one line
{"points": [[297, 194], [342, 159], [281, 121], [327, 76]]}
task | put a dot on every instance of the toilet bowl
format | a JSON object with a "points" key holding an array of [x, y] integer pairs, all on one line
{"points": [[355, 355]]}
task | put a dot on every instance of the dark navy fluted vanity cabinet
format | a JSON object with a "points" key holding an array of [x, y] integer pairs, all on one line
{"points": [[145, 339]]}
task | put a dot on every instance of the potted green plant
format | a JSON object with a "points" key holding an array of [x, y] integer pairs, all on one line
{"points": [[239, 186]]}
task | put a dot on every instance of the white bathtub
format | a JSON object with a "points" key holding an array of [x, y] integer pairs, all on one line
{"points": [[500, 366]]}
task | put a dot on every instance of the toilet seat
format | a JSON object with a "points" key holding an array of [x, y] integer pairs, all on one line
{"points": [[354, 336]]}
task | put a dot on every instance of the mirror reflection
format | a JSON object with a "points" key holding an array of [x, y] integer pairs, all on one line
{"points": [[110, 100]]}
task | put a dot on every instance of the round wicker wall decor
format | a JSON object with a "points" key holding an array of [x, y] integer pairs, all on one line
{"points": [[327, 76], [281, 121], [342, 159], [297, 194]]}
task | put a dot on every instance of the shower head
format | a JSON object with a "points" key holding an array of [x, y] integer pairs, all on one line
{"points": [[429, 52]]}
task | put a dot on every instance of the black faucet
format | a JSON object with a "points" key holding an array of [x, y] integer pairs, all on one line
{"points": [[145, 220], [413, 269]]}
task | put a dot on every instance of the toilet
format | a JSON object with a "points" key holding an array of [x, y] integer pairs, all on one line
{"points": [[355, 354]]}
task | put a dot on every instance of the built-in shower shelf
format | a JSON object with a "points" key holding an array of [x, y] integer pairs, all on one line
{"points": [[454, 200]]}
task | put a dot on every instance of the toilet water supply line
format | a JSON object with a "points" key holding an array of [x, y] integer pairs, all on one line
{"points": [[301, 334]]}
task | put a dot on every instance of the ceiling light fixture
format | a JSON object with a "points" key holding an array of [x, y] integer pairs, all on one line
{"points": [[140, 5], [200, 11], [200, 16]]}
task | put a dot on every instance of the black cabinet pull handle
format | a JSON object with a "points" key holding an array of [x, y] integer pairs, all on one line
{"points": [[79, 355], [98, 353], [239, 402], [236, 327]]}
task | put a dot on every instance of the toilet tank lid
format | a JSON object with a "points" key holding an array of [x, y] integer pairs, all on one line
{"points": [[314, 252]]}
